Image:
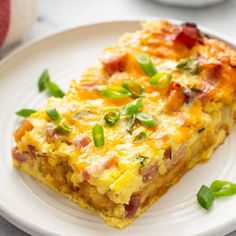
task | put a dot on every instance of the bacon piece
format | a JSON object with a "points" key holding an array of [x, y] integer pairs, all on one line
{"points": [[82, 142], [177, 97], [26, 126], [188, 35], [114, 63], [149, 173], [20, 156], [133, 205], [209, 83]]}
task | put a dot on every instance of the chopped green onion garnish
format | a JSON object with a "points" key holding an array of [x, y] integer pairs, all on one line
{"points": [[189, 66], [134, 88], [98, 135], [223, 188], [133, 107], [205, 197], [142, 159], [146, 64], [219, 188], [62, 128], [54, 90], [53, 114], [112, 116], [113, 91], [160, 80], [43, 81], [131, 123], [140, 137], [146, 119], [25, 112]]}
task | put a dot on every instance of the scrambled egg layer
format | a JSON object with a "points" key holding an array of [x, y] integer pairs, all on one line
{"points": [[203, 83]]}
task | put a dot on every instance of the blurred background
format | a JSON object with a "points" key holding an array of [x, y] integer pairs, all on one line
{"points": [[24, 20]]}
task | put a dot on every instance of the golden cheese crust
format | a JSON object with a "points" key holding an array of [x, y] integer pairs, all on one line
{"points": [[137, 164]]}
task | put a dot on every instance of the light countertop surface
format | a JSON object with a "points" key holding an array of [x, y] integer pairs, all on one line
{"points": [[54, 15]]}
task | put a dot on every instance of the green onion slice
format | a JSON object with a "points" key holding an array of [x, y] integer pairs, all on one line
{"points": [[205, 197], [223, 188], [62, 128], [142, 159], [189, 65], [140, 137], [146, 64], [161, 80], [112, 116], [98, 135], [130, 124], [113, 91], [134, 88], [53, 114], [54, 90], [25, 112], [43, 81], [133, 107], [146, 119]]}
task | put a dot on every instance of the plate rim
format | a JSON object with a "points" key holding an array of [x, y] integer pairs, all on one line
{"points": [[32, 228]]}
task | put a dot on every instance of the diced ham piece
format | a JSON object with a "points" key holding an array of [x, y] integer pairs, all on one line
{"points": [[188, 35], [177, 97], [50, 133], [168, 153], [85, 175], [114, 63], [31, 150], [176, 156], [133, 205], [20, 156], [82, 142], [150, 172]]}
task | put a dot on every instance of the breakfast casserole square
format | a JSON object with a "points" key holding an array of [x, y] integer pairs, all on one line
{"points": [[155, 104]]}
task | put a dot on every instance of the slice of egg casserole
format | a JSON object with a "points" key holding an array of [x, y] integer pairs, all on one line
{"points": [[157, 103]]}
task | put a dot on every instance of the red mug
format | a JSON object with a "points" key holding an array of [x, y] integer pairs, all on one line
{"points": [[16, 18]]}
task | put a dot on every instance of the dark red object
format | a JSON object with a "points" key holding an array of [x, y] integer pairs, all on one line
{"points": [[168, 153], [188, 35], [4, 19], [133, 205], [20, 156], [150, 173]]}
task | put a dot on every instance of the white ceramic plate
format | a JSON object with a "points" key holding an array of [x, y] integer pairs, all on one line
{"points": [[40, 211]]}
